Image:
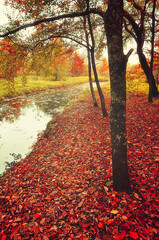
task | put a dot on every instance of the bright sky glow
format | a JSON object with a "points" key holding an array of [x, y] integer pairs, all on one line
{"points": [[3, 17]]}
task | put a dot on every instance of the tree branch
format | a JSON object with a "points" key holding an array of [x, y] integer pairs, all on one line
{"points": [[67, 37], [52, 19], [129, 31], [129, 53], [135, 5], [132, 22]]}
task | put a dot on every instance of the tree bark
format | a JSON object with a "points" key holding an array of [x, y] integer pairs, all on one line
{"points": [[89, 66], [153, 92], [117, 68], [104, 111], [90, 81], [152, 48]]}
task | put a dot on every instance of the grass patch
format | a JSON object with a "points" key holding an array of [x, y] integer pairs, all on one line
{"points": [[137, 85], [35, 84]]}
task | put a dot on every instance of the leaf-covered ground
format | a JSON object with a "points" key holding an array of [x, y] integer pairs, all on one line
{"points": [[63, 189]]}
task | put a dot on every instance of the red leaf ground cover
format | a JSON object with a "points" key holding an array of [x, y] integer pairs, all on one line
{"points": [[63, 189]]}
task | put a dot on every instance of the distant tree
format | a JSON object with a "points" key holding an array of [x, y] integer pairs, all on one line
{"points": [[11, 61], [76, 64], [103, 67]]}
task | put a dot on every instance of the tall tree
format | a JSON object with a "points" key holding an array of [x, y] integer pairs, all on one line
{"points": [[117, 68], [113, 18]]}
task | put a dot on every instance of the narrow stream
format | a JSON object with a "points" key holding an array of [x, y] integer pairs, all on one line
{"points": [[21, 120]]}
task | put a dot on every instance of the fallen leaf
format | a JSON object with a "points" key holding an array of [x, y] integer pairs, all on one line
{"points": [[114, 212], [54, 227], [134, 235], [106, 189], [124, 217], [120, 236], [42, 222], [101, 225], [136, 195], [37, 215]]}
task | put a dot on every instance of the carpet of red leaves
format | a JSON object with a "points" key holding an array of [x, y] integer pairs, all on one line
{"points": [[63, 189]]}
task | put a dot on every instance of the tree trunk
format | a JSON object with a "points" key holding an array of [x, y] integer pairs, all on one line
{"points": [[117, 69], [90, 81], [151, 80], [104, 111], [89, 67], [152, 48], [153, 36]]}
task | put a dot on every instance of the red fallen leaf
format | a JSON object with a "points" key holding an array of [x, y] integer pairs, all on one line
{"points": [[37, 215], [120, 236], [3, 237], [134, 235], [110, 221], [101, 225]]}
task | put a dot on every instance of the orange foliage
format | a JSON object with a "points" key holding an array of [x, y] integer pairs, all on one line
{"points": [[135, 71], [10, 60], [103, 67], [77, 64]]}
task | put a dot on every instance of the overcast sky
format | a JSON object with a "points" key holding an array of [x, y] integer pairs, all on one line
{"points": [[3, 18]]}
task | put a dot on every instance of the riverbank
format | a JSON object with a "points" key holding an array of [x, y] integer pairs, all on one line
{"points": [[63, 189], [35, 84]]}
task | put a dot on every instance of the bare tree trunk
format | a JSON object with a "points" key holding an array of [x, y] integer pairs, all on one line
{"points": [[152, 48], [90, 81], [104, 111], [117, 68], [89, 67], [151, 80]]}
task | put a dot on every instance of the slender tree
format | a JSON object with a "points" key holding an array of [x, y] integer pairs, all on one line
{"points": [[104, 111], [138, 33], [89, 65]]}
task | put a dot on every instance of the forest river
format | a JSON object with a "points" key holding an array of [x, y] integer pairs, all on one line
{"points": [[22, 119]]}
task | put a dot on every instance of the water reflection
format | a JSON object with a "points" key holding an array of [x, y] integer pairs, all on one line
{"points": [[21, 120], [18, 136]]}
